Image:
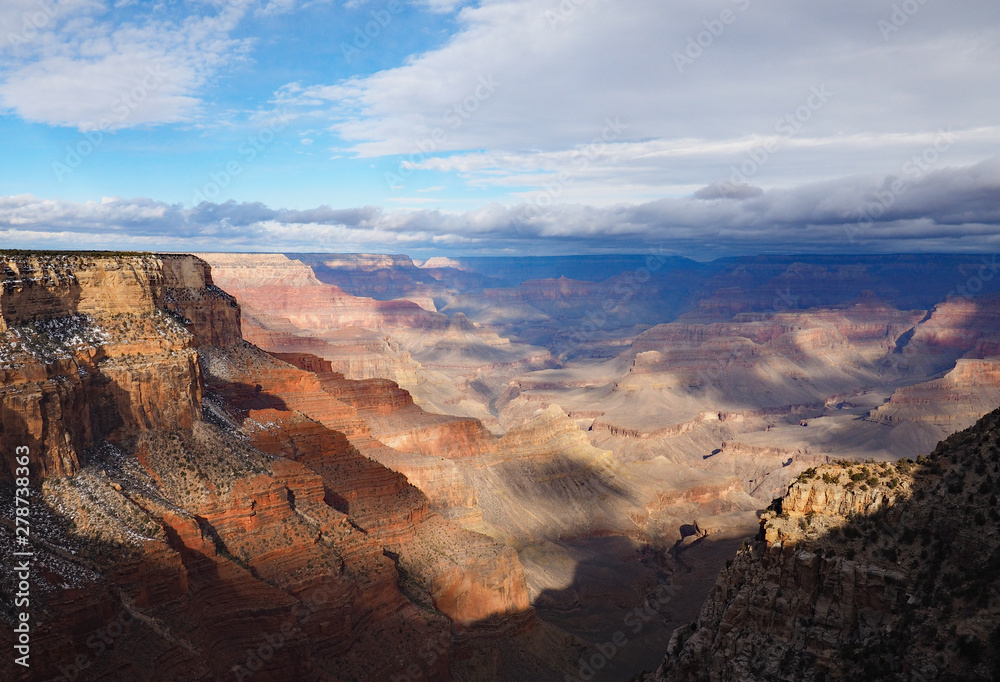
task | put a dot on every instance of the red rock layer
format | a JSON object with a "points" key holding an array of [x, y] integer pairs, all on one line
{"points": [[225, 562], [274, 285], [483, 580]]}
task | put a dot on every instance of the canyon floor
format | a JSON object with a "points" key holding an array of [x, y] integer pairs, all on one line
{"points": [[488, 469]]}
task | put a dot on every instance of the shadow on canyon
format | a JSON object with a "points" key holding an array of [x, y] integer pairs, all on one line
{"points": [[625, 599], [910, 591]]}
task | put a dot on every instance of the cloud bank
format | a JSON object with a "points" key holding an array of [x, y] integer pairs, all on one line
{"points": [[952, 209]]}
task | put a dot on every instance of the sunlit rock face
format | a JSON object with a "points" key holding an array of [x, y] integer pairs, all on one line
{"points": [[93, 348], [210, 504]]}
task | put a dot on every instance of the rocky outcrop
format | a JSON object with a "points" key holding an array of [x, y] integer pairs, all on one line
{"points": [[469, 577], [276, 286], [955, 401], [867, 570], [961, 338], [89, 352], [196, 517], [63, 285], [48, 286], [212, 315]]}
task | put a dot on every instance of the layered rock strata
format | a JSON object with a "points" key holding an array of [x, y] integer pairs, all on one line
{"points": [[193, 517]]}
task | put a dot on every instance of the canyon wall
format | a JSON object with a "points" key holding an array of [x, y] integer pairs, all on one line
{"points": [[93, 348], [195, 494], [863, 570]]}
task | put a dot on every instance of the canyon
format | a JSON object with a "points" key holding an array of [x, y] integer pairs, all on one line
{"points": [[322, 466], [188, 483]]}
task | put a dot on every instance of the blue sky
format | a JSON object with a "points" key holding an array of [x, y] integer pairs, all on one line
{"points": [[522, 126], [173, 153]]}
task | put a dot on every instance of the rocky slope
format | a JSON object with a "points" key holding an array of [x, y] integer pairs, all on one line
{"points": [[194, 515], [447, 363], [866, 571]]}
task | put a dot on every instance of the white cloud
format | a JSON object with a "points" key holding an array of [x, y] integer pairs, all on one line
{"points": [[443, 6], [436, 6], [562, 72], [85, 71], [952, 209]]}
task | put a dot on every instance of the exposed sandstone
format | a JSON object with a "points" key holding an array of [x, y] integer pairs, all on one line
{"points": [[469, 577]]}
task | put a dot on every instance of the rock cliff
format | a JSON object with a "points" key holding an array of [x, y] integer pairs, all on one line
{"points": [[94, 348], [199, 514], [865, 571]]}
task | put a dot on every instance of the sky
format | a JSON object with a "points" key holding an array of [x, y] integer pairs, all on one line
{"points": [[440, 127]]}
